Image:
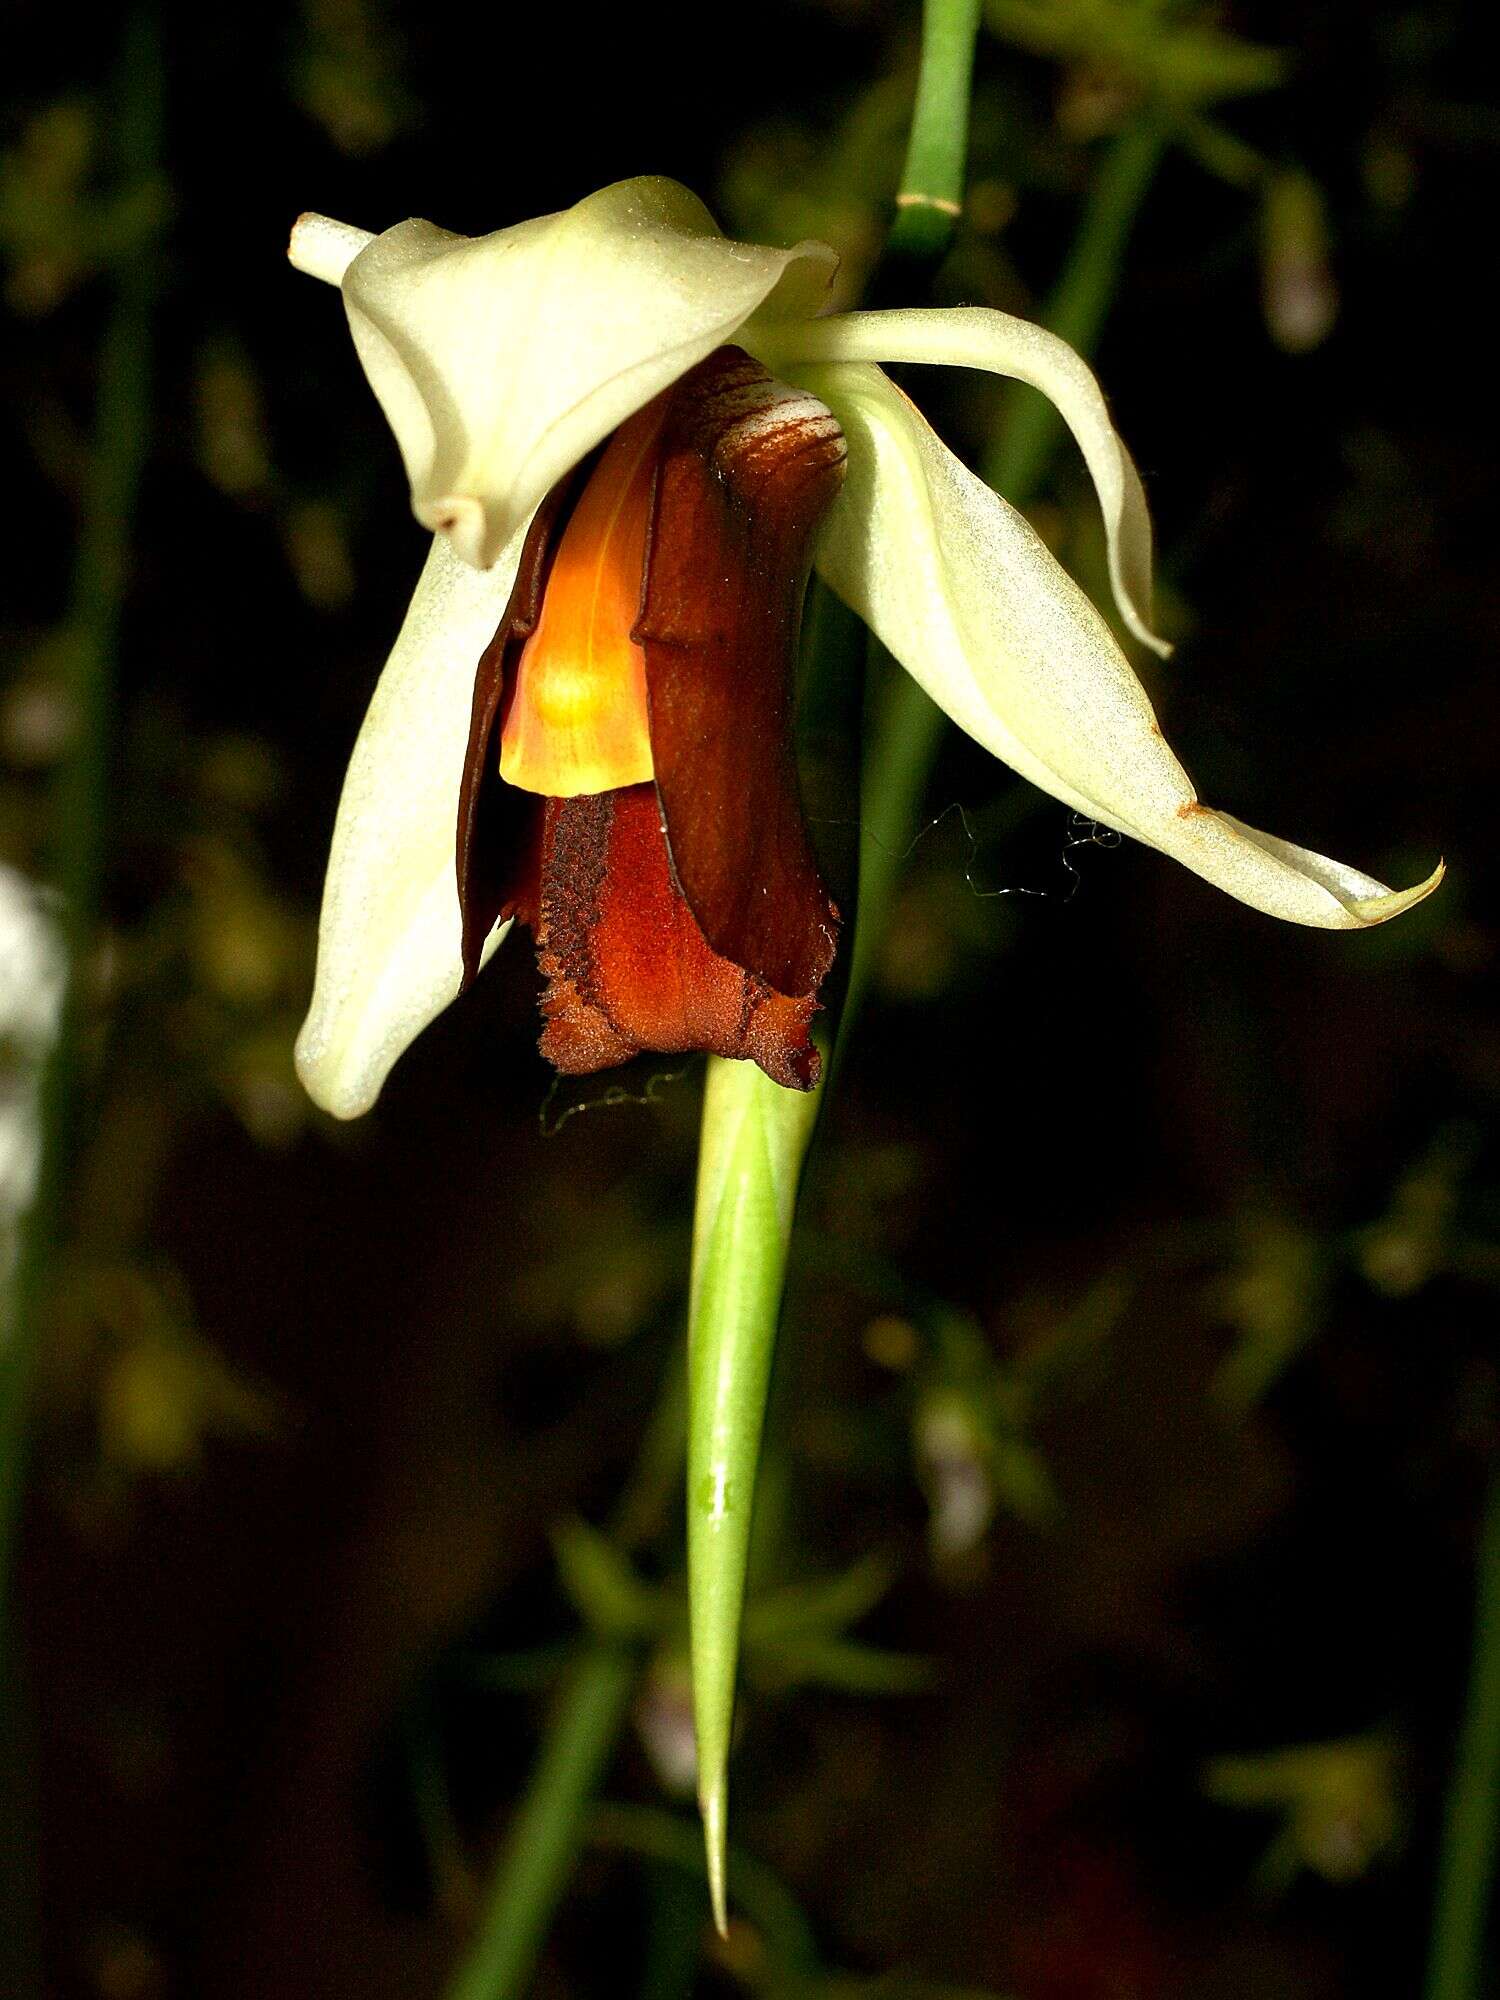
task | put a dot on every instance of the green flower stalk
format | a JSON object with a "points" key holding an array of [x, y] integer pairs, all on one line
{"points": [[1459, 1967], [80, 837], [930, 198], [755, 1137], [538, 1855]]}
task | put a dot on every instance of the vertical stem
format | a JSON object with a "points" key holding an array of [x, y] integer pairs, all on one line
{"points": [[930, 199], [905, 728], [79, 819], [1457, 1960], [1080, 303], [533, 1870], [542, 1842], [79, 816], [751, 1171], [755, 1137]]}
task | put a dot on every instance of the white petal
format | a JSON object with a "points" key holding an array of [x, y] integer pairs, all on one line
{"points": [[500, 360], [389, 936], [974, 337], [973, 605]]}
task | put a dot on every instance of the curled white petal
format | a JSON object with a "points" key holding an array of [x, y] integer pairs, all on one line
{"points": [[975, 337], [501, 360], [389, 956], [974, 606]]}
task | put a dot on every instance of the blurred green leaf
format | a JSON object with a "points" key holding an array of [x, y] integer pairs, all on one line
{"points": [[609, 1596], [1338, 1800], [842, 1664], [823, 1604], [1164, 49]]}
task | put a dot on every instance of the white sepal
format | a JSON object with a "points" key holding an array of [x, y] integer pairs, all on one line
{"points": [[501, 360], [975, 607], [389, 936]]}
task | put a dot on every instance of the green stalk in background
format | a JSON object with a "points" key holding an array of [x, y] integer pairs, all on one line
{"points": [[1458, 1966], [755, 1137], [79, 821], [79, 814], [536, 1860], [905, 728], [543, 1840], [931, 195], [1031, 426]]}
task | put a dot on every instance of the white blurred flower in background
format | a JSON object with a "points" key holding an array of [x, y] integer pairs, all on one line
{"points": [[32, 975]]}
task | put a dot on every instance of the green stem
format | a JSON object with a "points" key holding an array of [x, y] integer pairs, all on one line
{"points": [[675, 1907], [905, 728], [548, 1828], [1457, 1961], [755, 1137], [747, 1187], [77, 835], [536, 1861], [930, 199], [79, 816], [1080, 303], [650, 1497]]}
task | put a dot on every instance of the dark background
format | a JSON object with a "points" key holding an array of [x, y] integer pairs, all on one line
{"points": [[1186, 1227]]}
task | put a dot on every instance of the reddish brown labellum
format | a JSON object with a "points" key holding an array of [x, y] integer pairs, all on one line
{"points": [[747, 469], [687, 912], [628, 967]]}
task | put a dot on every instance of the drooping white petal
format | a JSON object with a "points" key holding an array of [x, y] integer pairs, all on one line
{"points": [[389, 935], [500, 360], [974, 606], [974, 337]]}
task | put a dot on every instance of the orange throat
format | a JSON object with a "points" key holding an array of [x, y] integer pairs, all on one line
{"points": [[629, 787], [577, 723]]}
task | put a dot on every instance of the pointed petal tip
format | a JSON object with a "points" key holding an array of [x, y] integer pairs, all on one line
{"points": [[713, 1805], [1369, 910], [324, 248], [1163, 648], [1133, 600], [1278, 877]]}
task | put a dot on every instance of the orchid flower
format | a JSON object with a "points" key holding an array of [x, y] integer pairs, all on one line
{"points": [[630, 436]]}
